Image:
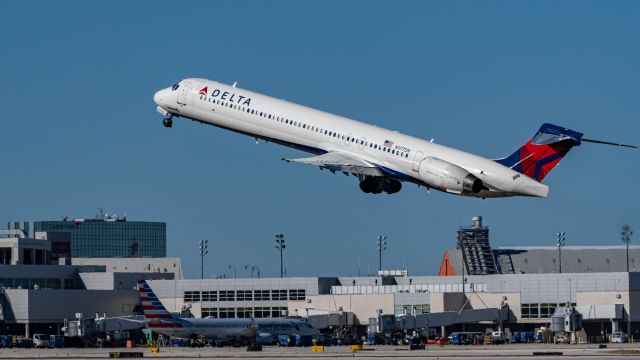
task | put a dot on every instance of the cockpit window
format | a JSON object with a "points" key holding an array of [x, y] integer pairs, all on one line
{"points": [[175, 87]]}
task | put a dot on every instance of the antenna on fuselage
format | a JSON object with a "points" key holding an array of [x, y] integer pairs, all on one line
{"points": [[234, 84]]}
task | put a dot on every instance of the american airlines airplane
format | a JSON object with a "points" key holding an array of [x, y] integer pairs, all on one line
{"points": [[381, 159], [158, 319]]}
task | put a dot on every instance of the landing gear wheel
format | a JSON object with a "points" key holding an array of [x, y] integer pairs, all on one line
{"points": [[392, 187], [167, 122], [365, 187], [374, 185], [378, 185]]}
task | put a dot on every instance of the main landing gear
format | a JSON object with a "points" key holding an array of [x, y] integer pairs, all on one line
{"points": [[168, 121], [376, 185]]}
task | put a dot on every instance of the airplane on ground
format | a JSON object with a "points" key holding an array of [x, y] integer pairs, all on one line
{"points": [[381, 159], [158, 319]]}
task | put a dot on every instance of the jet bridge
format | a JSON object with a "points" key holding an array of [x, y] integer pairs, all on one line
{"points": [[447, 318], [93, 331], [498, 315]]}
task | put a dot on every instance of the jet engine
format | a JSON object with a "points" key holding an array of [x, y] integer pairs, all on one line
{"points": [[265, 339], [446, 176]]}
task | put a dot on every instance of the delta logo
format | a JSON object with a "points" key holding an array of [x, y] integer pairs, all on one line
{"points": [[225, 96]]}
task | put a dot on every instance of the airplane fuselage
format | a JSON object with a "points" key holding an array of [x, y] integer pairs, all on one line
{"points": [[231, 328]]}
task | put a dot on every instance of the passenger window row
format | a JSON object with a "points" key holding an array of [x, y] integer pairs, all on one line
{"points": [[310, 128]]}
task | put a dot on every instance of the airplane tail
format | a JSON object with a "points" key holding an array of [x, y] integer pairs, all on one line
{"points": [[543, 152], [152, 308]]}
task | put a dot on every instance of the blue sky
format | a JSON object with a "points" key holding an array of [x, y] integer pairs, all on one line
{"points": [[80, 131]]}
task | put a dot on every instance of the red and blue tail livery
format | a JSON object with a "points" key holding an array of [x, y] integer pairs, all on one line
{"points": [[154, 312], [543, 152]]}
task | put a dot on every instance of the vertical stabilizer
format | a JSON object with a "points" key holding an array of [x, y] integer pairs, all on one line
{"points": [[543, 152]]}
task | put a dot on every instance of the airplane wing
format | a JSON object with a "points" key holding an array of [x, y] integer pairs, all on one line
{"points": [[338, 161]]}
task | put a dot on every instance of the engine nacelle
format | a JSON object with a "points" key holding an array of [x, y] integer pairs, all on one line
{"points": [[265, 339], [446, 176]]}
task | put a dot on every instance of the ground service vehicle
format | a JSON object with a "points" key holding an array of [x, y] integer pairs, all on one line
{"points": [[40, 340], [619, 337]]}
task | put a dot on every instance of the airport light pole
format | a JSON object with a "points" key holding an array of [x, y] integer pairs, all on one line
{"points": [[203, 251], [560, 242], [235, 271], [382, 246], [626, 239], [253, 268], [280, 246]]}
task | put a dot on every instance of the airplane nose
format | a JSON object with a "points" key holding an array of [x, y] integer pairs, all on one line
{"points": [[158, 97]]}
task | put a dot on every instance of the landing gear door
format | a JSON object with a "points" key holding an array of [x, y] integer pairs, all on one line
{"points": [[184, 92], [417, 160]]}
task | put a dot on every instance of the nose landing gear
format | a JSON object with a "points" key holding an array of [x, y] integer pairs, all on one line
{"points": [[168, 121]]}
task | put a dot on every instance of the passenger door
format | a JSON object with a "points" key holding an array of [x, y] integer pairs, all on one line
{"points": [[417, 160], [184, 92]]}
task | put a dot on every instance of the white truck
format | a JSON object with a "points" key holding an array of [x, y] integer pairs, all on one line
{"points": [[40, 340]]}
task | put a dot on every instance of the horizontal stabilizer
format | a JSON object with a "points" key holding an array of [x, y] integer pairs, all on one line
{"points": [[608, 143]]}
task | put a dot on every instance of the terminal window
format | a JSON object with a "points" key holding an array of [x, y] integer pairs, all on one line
{"points": [[191, 296], [209, 296], [54, 283], [278, 294], [540, 311], [547, 310], [226, 313], [298, 294], [244, 295], [262, 295], [29, 283], [210, 312], [262, 312], [227, 295], [244, 312], [279, 311], [111, 239], [402, 309], [422, 309], [530, 311], [39, 283]]}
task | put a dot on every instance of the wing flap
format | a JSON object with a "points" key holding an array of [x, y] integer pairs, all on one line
{"points": [[337, 161]]}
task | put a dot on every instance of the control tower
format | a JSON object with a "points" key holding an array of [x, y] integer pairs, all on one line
{"points": [[473, 242]]}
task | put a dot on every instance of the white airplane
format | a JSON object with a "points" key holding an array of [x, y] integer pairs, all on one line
{"points": [[380, 158], [265, 330]]}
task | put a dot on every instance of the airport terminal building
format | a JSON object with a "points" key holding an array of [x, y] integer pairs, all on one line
{"points": [[607, 301], [102, 237], [37, 293], [42, 284], [532, 281]]}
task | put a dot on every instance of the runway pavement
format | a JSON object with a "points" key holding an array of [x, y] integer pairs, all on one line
{"points": [[514, 351]]}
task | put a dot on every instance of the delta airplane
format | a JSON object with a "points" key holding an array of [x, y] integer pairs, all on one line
{"points": [[265, 330], [381, 159]]}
